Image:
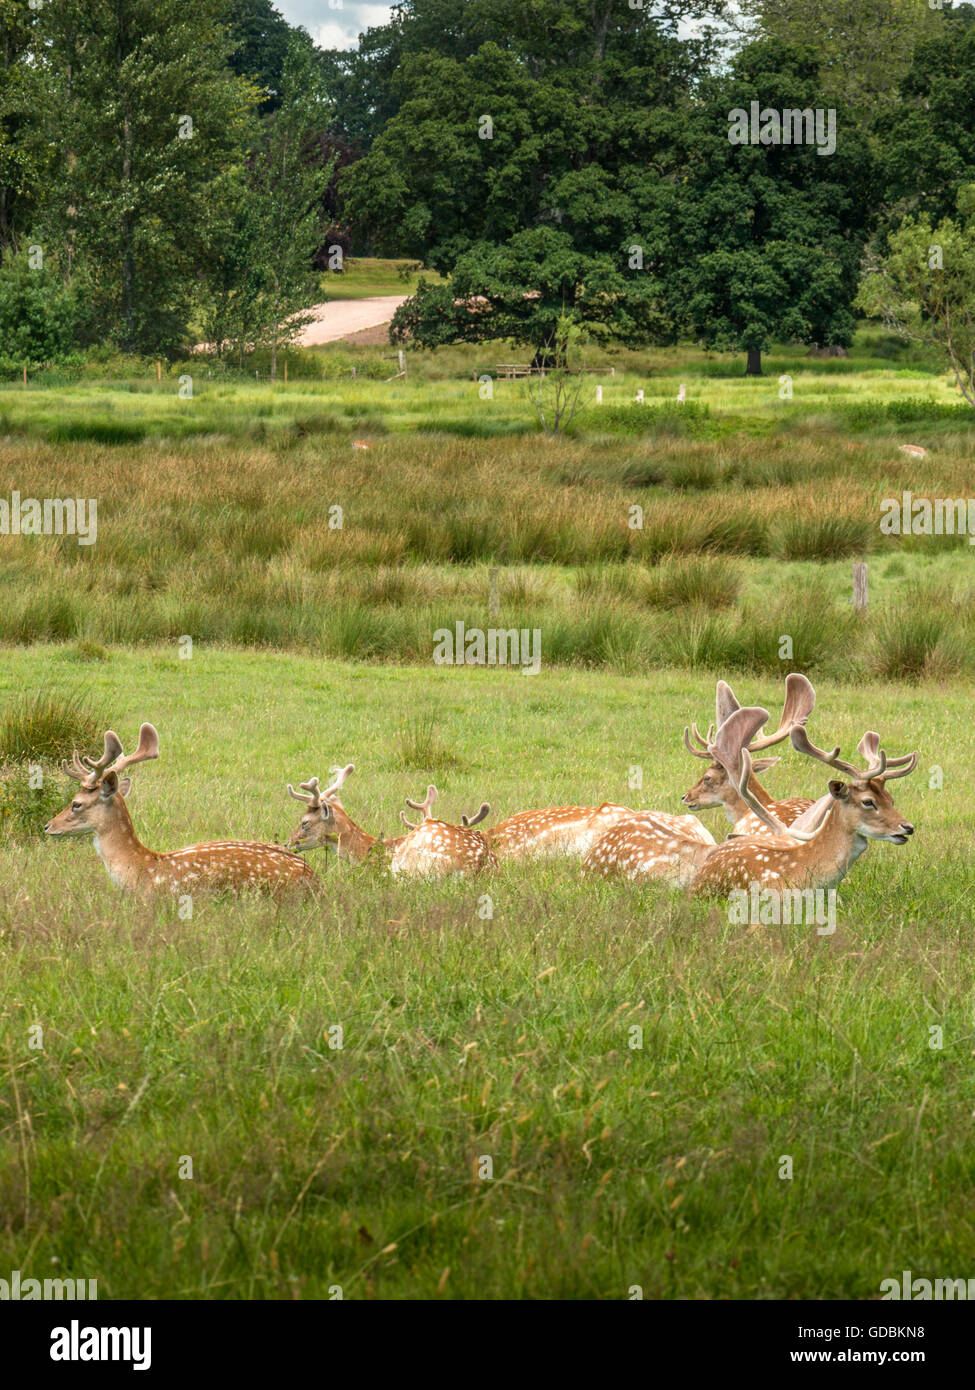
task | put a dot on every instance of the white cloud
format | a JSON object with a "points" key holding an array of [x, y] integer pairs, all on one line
{"points": [[336, 25]]}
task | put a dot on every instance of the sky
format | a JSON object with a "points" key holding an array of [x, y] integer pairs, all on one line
{"points": [[337, 24]]}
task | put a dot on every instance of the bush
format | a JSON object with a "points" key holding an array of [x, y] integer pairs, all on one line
{"points": [[40, 320]]}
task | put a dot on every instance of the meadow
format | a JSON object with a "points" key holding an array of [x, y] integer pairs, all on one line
{"points": [[244, 516], [634, 1065], [619, 1157]]}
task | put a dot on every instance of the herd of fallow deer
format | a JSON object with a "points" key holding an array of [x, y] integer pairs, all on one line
{"points": [[798, 843]]}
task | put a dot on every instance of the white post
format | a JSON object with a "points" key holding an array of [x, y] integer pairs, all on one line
{"points": [[599, 395], [639, 397]]}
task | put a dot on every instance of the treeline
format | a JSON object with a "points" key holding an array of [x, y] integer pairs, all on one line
{"points": [[651, 172]]}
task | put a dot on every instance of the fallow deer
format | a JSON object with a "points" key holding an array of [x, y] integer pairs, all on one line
{"points": [[648, 846], [432, 848], [715, 787], [574, 830], [435, 848], [326, 823], [99, 809], [818, 848]]}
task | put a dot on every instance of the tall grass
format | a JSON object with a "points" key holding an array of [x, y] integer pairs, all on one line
{"points": [[46, 725]]}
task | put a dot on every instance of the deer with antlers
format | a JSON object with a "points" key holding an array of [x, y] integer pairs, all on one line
{"points": [[432, 848], [436, 848], [715, 788], [326, 822], [818, 848], [98, 808]]}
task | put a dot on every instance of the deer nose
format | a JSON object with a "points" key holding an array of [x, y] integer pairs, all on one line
{"points": [[907, 828], [683, 799]]}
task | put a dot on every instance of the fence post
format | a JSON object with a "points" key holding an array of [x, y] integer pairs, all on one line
{"points": [[285, 371], [494, 600], [401, 355], [859, 586], [25, 373], [599, 395]]}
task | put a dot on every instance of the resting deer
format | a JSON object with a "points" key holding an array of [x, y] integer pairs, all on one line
{"points": [[715, 788], [326, 822], [648, 846], [99, 809], [432, 847], [573, 830], [816, 851], [435, 848]]}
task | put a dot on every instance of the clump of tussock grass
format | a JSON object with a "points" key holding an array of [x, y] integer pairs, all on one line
{"points": [[46, 725], [421, 745], [708, 581], [823, 536], [916, 641], [24, 808]]}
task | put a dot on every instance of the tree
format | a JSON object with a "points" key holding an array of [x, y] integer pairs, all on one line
{"points": [[526, 290], [764, 240], [927, 142], [523, 165], [21, 148], [149, 115], [864, 47], [924, 287], [264, 277], [556, 393], [262, 37]]}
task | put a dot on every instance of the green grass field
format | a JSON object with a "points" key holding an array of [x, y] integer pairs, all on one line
{"points": [[477, 1031], [465, 1038], [364, 276]]}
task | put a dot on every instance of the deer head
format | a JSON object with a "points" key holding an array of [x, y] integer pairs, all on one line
{"points": [[325, 819], [714, 788], [865, 805], [862, 807], [94, 807]]}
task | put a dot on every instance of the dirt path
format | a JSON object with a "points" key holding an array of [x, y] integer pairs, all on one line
{"points": [[340, 318]]}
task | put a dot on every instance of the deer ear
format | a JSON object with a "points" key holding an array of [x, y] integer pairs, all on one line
{"points": [[125, 786], [763, 764], [109, 785], [841, 790]]}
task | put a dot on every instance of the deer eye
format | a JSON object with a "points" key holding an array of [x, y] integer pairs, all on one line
{"points": [[870, 805], [76, 805]]}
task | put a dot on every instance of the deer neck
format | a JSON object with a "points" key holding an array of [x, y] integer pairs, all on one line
{"points": [[736, 807], [835, 847], [121, 851], [353, 844]]}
